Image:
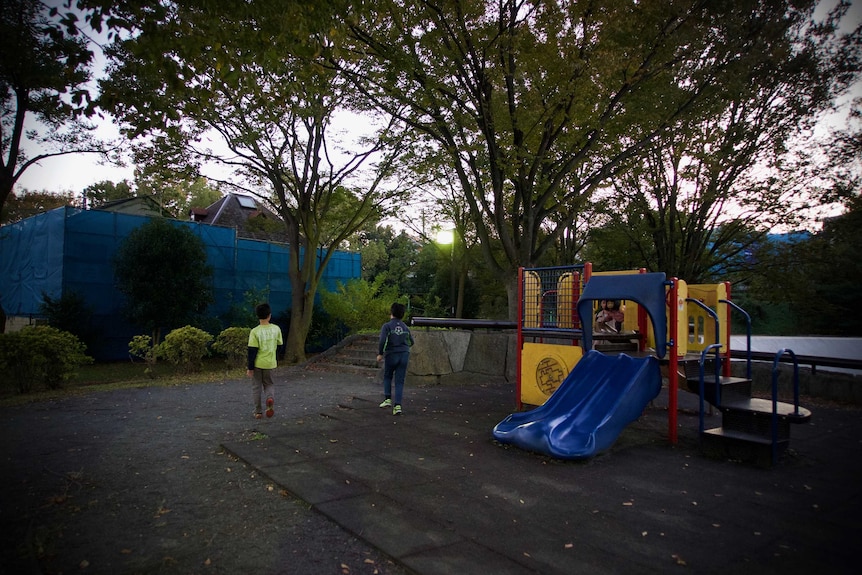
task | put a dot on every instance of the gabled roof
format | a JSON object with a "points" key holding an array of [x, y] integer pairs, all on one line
{"points": [[247, 215], [138, 206]]}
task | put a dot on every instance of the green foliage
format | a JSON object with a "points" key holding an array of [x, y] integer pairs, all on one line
{"points": [[25, 204], [242, 314], [70, 313], [107, 191], [44, 72], [233, 344], [162, 269], [142, 347], [813, 281], [40, 354], [186, 347], [358, 304]]}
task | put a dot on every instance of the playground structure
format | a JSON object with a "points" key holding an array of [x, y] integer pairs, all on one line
{"points": [[587, 387]]}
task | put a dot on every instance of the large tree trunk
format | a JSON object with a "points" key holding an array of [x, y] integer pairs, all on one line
{"points": [[300, 320]]}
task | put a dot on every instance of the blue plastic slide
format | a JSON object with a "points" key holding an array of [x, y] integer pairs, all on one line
{"points": [[589, 410]]}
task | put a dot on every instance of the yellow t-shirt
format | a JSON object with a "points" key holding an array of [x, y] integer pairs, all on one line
{"points": [[266, 338]]}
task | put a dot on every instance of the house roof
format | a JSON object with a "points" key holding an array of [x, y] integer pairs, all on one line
{"points": [[247, 215], [138, 206]]}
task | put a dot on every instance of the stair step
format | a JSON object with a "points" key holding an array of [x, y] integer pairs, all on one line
{"points": [[737, 435], [759, 406], [730, 444], [349, 368], [730, 388]]}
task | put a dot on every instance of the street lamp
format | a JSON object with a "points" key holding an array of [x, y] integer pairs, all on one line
{"points": [[444, 237]]}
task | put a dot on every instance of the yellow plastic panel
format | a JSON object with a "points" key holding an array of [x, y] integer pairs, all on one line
{"points": [[566, 301], [700, 326], [532, 299], [544, 366]]}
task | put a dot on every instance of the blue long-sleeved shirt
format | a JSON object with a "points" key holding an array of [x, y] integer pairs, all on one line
{"points": [[395, 336]]}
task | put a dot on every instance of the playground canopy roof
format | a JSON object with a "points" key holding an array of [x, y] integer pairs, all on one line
{"points": [[647, 290]]}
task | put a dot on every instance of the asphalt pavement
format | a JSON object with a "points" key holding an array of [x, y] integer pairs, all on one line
{"points": [[432, 490], [184, 480]]}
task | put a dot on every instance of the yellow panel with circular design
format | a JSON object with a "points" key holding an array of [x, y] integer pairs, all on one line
{"points": [[544, 366]]}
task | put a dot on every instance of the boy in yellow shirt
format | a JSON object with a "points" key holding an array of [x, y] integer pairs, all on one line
{"points": [[263, 341]]}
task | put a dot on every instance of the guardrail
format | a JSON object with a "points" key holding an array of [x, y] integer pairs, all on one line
{"points": [[811, 360], [460, 323]]}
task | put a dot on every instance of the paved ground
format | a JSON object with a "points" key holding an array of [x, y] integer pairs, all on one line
{"points": [[147, 480]]}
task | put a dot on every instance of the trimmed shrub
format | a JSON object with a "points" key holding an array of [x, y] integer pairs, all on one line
{"points": [[233, 344], [40, 355], [186, 347]]}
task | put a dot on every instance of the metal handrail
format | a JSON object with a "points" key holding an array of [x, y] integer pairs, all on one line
{"points": [[775, 370], [702, 384], [712, 313], [748, 334]]}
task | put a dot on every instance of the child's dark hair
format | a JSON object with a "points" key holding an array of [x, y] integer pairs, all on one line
{"points": [[263, 311], [397, 310]]}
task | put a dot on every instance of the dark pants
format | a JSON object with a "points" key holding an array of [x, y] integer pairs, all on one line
{"points": [[395, 367]]}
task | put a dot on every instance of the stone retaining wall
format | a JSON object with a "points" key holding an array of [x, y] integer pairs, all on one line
{"points": [[456, 356]]}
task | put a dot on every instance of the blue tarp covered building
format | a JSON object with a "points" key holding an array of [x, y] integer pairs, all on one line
{"points": [[69, 250]]}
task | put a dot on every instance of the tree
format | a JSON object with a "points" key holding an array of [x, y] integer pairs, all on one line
{"points": [[536, 105], [710, 189], [44, 70], [25, 203], [162, 269], [248, 76], [107, 191]]}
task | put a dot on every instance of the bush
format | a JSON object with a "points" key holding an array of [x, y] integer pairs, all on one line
{"points": [[142, 347], [233, 344], [358, 304], [40, 354], [185, 347]]}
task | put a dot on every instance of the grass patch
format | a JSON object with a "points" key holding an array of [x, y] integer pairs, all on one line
{"points": [[125, 374]]}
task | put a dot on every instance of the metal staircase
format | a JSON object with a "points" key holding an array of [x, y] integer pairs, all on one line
{"points": [[752, 429]]}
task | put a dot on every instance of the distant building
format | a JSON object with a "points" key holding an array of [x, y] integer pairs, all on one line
{"points": [[136, 206], [245, 214]]}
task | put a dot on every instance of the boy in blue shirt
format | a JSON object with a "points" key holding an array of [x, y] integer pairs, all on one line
{"points": [[394, 346]]}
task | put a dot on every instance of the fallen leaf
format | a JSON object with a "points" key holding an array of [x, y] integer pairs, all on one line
{"points": [[679, 560], [126, 551], [369, 561], [643, 533], [627, 503], [526, 554], [84, 564], [568, 545], [208, 562]]}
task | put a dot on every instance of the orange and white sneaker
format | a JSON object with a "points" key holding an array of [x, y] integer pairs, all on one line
{"points": [[269, 407]]}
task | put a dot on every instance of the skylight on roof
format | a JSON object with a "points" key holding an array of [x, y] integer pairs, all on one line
{"points": [[246, 202]]}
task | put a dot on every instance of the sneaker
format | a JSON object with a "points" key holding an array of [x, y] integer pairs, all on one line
{"points": [[386, 403], [396, 410], [257, 415], [269, 410]]}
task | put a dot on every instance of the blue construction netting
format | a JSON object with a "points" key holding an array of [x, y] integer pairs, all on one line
{"points": [[69, 250]]}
